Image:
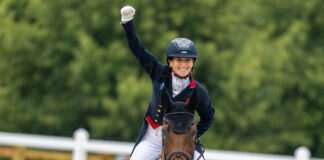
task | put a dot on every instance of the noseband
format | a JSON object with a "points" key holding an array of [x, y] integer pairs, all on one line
{"points": [[179, 154]]}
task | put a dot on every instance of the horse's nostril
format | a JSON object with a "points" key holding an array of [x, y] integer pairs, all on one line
{"points": [[178, 155]]}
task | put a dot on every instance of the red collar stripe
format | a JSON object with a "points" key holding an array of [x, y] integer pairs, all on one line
{"points": [[153, 125], [192, 83]]}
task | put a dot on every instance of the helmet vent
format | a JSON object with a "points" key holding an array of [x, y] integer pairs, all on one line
{"points": [[182, 43]]}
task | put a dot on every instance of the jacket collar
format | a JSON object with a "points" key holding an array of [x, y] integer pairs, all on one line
{"points": [[192, 83], [184, 94]]}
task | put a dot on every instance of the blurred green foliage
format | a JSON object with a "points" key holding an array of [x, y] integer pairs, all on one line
{"points": [[66, 65]]}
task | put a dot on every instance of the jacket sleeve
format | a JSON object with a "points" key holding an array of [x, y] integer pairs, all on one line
{"points": [[148, 61], [206, 112]]}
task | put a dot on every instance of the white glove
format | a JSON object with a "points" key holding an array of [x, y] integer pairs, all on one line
{"points": [[127, 13]]}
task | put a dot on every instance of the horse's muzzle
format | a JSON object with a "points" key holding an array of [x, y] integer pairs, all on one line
{"points": [[178, 155]]}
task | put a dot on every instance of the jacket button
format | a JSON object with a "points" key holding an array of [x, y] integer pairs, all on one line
{"points": [[160, 106], [155, 121], [159, 110], [157, 115]]}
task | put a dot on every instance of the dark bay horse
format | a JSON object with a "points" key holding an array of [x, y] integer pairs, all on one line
{"points": [[179, 128]]}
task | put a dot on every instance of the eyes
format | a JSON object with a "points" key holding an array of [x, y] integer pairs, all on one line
{"points": [[187, 60]]}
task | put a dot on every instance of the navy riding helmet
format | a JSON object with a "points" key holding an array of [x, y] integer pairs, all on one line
{"points": [[181, 47]]}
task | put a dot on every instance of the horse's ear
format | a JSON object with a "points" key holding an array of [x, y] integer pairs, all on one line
{"points": [[193, 101], [165, 99]]}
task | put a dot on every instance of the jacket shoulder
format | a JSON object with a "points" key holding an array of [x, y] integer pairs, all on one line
{"points": [[201, 89], [165, 71]]}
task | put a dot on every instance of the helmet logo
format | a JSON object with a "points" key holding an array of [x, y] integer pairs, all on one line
{"points": [[184, 52], [182, 43]]}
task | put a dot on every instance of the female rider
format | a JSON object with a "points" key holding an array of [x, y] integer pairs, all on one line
{"points": [[176, 77]]}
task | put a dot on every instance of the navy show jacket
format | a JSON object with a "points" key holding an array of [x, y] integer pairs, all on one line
{"points": [[160, 75]]}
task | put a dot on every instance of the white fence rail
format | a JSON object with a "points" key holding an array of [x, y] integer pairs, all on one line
{"points": [[80, 145]]}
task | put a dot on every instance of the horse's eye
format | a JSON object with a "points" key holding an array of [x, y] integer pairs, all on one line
{"points": [[193, 132], [165, 130]]}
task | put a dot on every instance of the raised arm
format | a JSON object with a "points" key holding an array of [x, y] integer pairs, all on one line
{"points": [[147, 60]]}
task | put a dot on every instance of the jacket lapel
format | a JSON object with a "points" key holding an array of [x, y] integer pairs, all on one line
{"points": [[184, 94]]}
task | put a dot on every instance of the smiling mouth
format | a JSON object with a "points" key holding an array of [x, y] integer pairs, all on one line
{"points": [[183, 69]]}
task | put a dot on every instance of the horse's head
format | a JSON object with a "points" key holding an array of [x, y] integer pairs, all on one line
{"points": [[179, 128]]}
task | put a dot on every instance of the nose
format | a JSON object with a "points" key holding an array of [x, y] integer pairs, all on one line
{"points": [[183, 64]]}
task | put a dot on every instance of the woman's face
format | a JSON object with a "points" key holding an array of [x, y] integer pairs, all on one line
{"points": [[181, 66]]}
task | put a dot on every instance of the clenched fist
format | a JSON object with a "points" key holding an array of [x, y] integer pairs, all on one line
{"points": [[127, 13]]}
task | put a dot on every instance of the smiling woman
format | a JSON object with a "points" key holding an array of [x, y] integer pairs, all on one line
{"points": [[176, 79]]}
